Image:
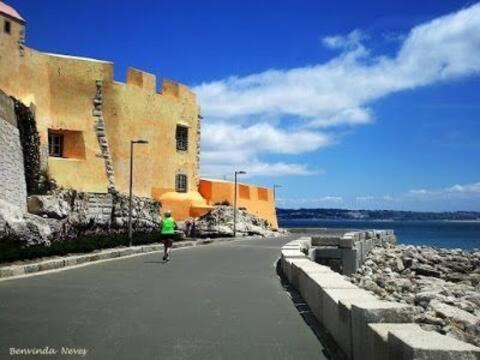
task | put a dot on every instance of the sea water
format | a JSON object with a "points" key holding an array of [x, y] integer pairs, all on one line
{"points": [[446, 234]]}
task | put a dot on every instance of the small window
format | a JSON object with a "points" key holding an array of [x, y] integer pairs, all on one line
{"points": [[244, 191], [262, 194], [7, 27], [182, 138], [55, 144], [181, 183]]}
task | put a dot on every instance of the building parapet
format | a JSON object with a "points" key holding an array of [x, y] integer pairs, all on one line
{"points": [[141, 79]]}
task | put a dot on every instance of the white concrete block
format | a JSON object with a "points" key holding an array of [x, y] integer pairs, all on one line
{"points": [[340, 330], [363, 314], [311, 293], [377, 338], [428, 345], [312, 286], [293, 254]]}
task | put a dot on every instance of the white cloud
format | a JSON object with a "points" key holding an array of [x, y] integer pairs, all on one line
{"points": [[364, 198], [229, 147], [455, 190], [420, 192], [334, 199], [468, 189], [262, 137], [328, 200], [223, 169], [350, 41], [441, 49], [332, 94]]}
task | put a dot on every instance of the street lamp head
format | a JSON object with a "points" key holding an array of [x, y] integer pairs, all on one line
{"points": [[140, 141], [240, 172]]}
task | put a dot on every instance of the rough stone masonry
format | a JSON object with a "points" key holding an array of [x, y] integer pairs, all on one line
{"points": [[13, 188]]}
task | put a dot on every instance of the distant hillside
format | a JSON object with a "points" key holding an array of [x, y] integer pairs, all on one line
{"points": [[343, 214]]}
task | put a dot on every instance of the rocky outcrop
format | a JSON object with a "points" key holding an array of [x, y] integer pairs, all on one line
{"points": [[443, 284], [22, 228], [67, 214], [219, 223]]}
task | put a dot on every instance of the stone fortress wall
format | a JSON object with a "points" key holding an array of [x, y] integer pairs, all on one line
{"points": [[13, 188], [72, 94], [98, 116]]}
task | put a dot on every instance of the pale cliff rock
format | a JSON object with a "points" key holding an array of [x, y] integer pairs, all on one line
{"points": [[219, 223], [21, 227], [67, 214]]}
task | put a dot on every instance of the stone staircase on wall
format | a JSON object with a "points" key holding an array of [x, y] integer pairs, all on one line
{"points": [[102, 136]]}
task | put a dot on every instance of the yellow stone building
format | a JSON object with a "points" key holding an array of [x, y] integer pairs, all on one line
{"points": [[87, 120]]}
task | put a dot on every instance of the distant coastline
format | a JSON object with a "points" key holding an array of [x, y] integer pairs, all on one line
{"points": [[377, 215], [381, 220]]}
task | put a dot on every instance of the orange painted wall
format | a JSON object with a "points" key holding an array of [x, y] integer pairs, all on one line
{"points": [[257, 200], [61, 89]]}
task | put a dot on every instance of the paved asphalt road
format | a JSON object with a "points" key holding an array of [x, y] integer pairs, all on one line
{"points": [[211, 302]]}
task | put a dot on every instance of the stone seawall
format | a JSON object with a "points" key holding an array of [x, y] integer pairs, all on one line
{"points": [[13, 188], [345, 252], [364, 327]]}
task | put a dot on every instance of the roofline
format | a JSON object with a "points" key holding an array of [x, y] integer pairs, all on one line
{"points": [[14, 18], [10, 12], [232, 182], [73, 57]]}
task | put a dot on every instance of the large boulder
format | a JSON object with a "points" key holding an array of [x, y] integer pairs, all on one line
{"points": [[219, 223], [52, 206], [21, 227]]}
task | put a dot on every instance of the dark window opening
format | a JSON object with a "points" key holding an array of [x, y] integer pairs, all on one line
{"points": [[7, 27], [55, 144], [181, 183], [182, 138]]}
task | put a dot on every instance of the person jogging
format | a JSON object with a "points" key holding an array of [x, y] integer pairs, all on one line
{"points": [[168, 227]]}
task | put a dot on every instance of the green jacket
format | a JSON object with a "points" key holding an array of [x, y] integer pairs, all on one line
{"points": [[168, 226]]}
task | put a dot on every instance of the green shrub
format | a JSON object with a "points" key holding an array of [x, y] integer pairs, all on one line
{"points": [[10, 250]]}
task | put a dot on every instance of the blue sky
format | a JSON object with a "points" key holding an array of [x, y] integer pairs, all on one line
{"points": [[345, 104]]}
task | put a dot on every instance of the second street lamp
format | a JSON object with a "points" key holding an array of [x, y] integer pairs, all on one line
{"points": [[130, 232], [235, 203], [275, 187]]}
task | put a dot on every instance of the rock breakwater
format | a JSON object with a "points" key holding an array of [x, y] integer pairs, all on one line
{"points": [[442, 284]]}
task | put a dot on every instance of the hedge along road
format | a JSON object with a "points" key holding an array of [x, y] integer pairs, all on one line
{"points": [[210, 302]]}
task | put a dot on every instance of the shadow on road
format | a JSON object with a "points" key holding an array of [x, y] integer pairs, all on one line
{"points": [[330, 348]]}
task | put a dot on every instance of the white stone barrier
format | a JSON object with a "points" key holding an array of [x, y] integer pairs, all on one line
{"points": [[364, 327], [345, 253]]}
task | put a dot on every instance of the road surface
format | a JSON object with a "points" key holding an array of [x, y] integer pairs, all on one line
{"points": [[209, 302]]}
